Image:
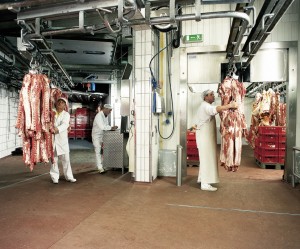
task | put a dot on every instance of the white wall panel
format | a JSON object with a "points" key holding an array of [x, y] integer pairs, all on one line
{"points": [[9, 140], [215, 31]]}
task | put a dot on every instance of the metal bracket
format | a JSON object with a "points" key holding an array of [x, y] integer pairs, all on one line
{"points": [[253, 15], [172, 11], [198, 10], [264, 19], [250, 44]]}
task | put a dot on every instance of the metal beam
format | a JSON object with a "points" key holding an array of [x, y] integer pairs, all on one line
{"points": [[64, 9]]}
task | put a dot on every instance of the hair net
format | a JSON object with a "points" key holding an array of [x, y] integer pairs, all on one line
{"points": [[206, 92], [108, 106]]}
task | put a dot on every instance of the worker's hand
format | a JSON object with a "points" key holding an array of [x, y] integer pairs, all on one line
{"points": [[233, 105], [69, 129], [113, 128], [56, 130]]}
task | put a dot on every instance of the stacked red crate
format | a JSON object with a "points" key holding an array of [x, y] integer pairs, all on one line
{"points": [[191, 145], [72, 133], [82, 122], [270, 144]]}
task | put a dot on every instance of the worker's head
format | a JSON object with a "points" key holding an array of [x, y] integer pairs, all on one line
{"points": [[208, 96], [61, 104], [107, 108]]}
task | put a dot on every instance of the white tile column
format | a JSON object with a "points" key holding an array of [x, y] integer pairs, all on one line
{"points": [[143, 52]]}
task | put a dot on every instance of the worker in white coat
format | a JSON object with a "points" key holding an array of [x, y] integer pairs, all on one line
{"points": [[99, 126], [61, 142], [206, 138]]}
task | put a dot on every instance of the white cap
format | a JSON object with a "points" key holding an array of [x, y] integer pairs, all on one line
{"points": [[108, 106], [64, 99], [206, 92]]}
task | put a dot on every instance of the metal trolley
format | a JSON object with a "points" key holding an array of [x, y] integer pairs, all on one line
{"points": [[296, 165]]}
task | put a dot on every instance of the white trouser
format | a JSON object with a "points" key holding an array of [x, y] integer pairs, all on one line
{"points": [[65, 160], [97, 142], [98, 157]]}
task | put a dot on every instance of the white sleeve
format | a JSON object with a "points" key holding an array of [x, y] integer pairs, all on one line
{"points": [[100, 121], [211, 110]]}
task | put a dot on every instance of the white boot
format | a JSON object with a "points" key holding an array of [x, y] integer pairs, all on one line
{"points": [[208, 187]]}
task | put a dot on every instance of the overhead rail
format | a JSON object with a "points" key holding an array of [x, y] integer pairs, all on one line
{"points": [[259, 87], [37, 44], [269, 16]]}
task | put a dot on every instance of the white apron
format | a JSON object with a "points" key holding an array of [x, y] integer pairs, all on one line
{"points": [[206, 138]]}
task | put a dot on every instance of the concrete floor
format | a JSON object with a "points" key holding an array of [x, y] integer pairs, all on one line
{"points": [[252, 208]]}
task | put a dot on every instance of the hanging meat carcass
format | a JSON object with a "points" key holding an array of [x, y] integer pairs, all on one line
{"points": [[267, 111], [233, 124], [35, 120], [255, 119]]}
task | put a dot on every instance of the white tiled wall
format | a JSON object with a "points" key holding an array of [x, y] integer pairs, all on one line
{"points": [[9, 139], [143, 52]]}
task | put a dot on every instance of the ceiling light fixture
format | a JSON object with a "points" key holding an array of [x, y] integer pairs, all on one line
{"points": [[93, 52], [65, 51]]}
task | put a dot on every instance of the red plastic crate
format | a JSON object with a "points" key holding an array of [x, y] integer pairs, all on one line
{"points": [[81, 126], [191, 143], [281, 138], [270, 145], [281, 145], [82, 119], [268, 152], [267, 138], [192, 151], [271, 130], [269, 159], [190, 136], [82, 111], [281, 159], [281, 129], [281, 152], [192, 157], [267, 130], [72, 134], [80, 134]]}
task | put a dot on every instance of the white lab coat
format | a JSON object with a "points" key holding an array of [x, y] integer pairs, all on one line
{"points": [[61, 148], [61, 140], [99, 126]]}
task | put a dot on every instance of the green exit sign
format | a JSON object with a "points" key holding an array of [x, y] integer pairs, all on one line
{"points": [[193, 38]]}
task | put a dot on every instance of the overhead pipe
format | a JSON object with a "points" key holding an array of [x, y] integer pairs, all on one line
{"points": [[189, 17], [88, 29], [209, 15], [253, 14]]}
